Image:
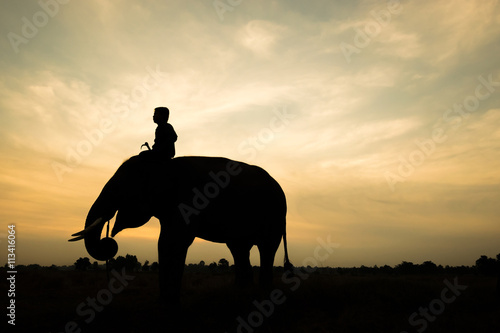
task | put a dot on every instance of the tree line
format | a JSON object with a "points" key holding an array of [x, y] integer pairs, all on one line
{"points": [[484, 266], [131, 264]]}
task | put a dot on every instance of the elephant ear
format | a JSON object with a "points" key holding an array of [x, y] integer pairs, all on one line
{"points": [[136, 183]]}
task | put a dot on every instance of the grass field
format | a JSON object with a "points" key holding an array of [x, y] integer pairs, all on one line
{"points": [[47, 301]]}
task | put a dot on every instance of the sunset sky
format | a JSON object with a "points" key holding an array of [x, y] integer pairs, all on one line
{"points": [[380, 120]]}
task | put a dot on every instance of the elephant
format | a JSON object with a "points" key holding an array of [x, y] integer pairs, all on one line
{"points": [[213, 198]]}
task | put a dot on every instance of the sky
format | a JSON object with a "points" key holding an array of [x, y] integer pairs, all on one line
{"points": [[380, 120]]}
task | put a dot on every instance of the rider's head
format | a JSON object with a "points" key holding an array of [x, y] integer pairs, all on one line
{"points": [[161, 114]]}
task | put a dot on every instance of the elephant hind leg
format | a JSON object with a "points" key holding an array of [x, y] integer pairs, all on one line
{"points": [[241, 256]]}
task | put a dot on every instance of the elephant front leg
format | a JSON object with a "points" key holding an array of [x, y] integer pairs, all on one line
{"points": [[172, 250]]}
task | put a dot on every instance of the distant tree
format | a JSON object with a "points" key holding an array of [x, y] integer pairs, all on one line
{"points": [[405, 268], [131, 263], [212, 267], [202, 263], [146, 266], [117, 263], [363, 270], [33, 267], [223, 263], [154, 267], [82, 264], [428, 267], [486, 266], [95, 266], [386, 269]]}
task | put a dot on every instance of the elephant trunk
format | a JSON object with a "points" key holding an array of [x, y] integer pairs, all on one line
{"points": [[100, 212], [100, 249]]}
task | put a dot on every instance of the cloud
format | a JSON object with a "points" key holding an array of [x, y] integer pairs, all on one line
{"points": [[260, 36], [451, 29]]}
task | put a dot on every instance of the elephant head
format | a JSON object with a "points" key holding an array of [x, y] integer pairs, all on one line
{"points": [[125, 193]]}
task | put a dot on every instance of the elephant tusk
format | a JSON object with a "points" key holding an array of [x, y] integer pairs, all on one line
{"points": [[89, 228], [76, 238]]}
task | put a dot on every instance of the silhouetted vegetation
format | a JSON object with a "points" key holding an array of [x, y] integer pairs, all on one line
{"points": [[483, 266], [223, 263], [145, 267], [82, 264], [323, 299], [130, 263], [154, 267], [488, 266]]}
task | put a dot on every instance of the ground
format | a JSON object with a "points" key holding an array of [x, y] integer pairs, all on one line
{"points": [[73, 301]]}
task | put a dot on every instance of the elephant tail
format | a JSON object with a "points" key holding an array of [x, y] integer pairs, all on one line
{"points": [[287, 264]]}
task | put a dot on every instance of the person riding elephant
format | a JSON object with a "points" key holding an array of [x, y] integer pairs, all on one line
{"points": [[165, 136]]}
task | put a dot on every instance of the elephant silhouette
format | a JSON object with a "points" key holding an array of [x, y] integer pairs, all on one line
{"points": [[213, 198]]}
